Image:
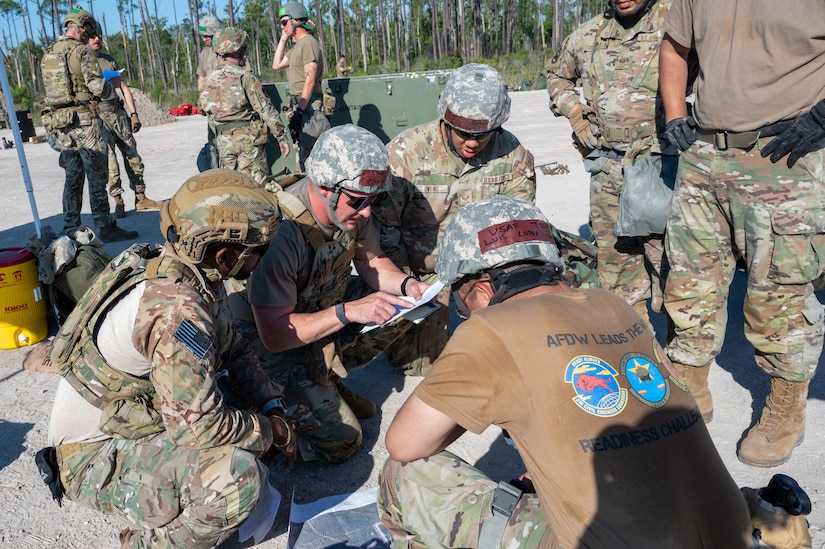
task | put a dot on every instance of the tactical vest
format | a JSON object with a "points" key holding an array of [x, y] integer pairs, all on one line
{"points": [[131, 406], [331, 268], [227, 97], [62, 80]]}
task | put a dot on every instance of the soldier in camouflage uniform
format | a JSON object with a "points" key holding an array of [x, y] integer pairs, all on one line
{"points": [[308, 307], [463, 156], [605, 426], [615, 58], [74, 85], [763, 97], [118, 128], [141, 425], [239, 111]]}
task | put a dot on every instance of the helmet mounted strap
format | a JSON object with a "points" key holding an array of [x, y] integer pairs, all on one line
{"points": [[506, 283]]}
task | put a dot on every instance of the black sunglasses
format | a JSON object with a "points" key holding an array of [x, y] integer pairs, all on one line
{"points": [[358, 203], [469, 136], [285, 21]]}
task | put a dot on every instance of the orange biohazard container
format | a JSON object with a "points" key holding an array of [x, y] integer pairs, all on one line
{"points": [[22, 303]]}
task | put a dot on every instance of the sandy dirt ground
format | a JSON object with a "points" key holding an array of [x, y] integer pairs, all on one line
{"points": [[31, 519]]}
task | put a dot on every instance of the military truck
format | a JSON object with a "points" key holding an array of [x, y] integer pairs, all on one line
{"points": [[385, 105]]}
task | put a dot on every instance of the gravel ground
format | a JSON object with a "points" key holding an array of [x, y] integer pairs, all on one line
{"points": [[31, 519]]}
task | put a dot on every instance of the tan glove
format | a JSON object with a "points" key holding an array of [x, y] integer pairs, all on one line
{"points": [[135, 123], [582, 129]]}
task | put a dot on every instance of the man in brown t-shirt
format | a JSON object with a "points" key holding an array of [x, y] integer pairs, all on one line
{"points": [[616, 452], [305, 69]]}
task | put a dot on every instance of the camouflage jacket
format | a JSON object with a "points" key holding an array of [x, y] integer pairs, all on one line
{"points": [[618, 70], [232, 95], [431, 183], [184, 329]]}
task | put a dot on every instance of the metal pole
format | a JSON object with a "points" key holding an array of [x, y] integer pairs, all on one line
{"points": [[18, 143]]}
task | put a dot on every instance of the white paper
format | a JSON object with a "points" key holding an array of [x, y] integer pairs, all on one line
{"points": [[260, 520], [428, 296]]}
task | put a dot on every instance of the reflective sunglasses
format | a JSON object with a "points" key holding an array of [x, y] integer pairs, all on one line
{"points": [[470, 136], [358, 203]]}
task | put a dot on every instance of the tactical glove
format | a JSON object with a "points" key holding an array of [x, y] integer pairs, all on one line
{"points": [[679, 132], [805, 135], [295, 124], [582, 129], [135, 123]]}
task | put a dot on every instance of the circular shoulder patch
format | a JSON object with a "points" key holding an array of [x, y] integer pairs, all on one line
{"points": [[597, 389], [646, 381]]}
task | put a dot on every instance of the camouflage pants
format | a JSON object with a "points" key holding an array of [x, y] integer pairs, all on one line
{"points": [[84, 155], [415, 352], [735, 203], [117, 129], [237, 151], [441, 501], [628, 266], [177, 496], [316, 410]]}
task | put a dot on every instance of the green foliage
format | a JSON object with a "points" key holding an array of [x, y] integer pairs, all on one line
{"points": [[23, 99]]}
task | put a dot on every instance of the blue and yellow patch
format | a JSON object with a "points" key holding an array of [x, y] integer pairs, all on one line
{"points": [[597, 389], [647, 383]]}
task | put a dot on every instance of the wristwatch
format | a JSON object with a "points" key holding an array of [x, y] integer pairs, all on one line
{"points": [[274, 404]]}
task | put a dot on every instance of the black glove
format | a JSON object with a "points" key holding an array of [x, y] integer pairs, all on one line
{"points": [[802, 137], [679, 132], [295, 124]]}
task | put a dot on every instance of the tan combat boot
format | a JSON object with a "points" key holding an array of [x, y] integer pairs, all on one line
{"points": [[120, 207], [781, 427], [143, 203], [362, 407], [696, 378]]}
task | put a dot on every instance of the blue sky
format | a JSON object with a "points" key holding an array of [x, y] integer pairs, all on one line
{"points": [[107, 9]]}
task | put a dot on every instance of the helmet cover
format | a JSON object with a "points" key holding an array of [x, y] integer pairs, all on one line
{"points": [[493, 233], [219, 206], [352, 158], [474, 99]]}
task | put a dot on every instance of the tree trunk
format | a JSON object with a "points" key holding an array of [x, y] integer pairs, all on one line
{"points": [[342, 41]]}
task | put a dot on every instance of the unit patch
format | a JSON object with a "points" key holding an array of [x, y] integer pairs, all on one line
{"points": [[646, 380], [596, 386], [191, 337]]}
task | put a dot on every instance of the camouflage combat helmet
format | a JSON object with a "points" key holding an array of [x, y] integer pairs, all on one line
{"points": [[352, 158], [219, 206], [493, 233], [475, 99], [294, 10], [84, 21], [349, 158], [229, 41], [209, 26]]}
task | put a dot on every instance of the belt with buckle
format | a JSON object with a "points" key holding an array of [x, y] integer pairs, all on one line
{"points": [[723, 139]]}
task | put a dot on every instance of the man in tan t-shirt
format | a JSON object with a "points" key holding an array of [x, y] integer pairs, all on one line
{"points": [[305, 69], [616, 451]]}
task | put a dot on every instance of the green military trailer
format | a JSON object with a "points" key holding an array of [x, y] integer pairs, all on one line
{"points": [[385, 104]]}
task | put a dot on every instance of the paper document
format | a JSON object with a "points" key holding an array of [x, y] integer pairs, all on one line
{"points": [[428, 296]]}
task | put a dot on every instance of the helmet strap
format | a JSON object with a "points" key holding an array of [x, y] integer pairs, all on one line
{"points": [[506, 283], [450, 142], [239, 263], [332, 204]]}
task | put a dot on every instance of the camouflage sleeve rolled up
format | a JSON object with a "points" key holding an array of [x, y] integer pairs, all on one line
{"points": [[92, 73], [260, 102], [183, 341], [566, 68]]}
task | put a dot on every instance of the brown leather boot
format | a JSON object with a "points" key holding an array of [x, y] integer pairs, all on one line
{"points": [[696, 378], [143, 203], [781, 427], [120, 207], [362, 407]]}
